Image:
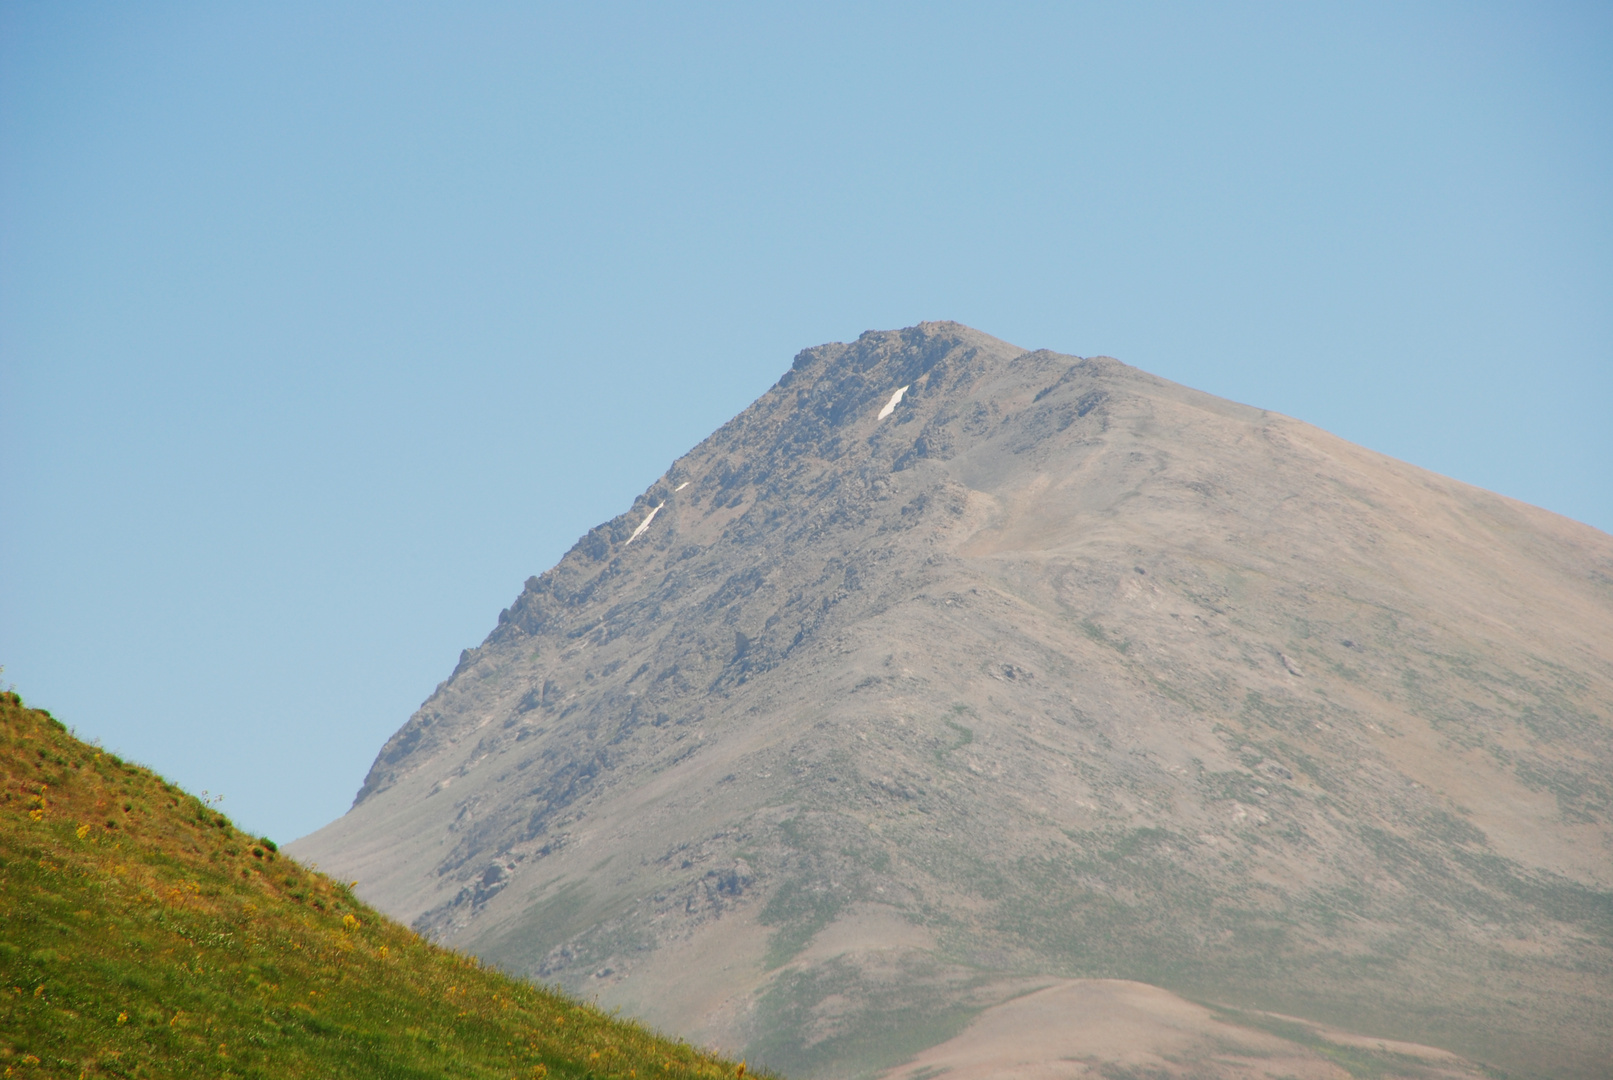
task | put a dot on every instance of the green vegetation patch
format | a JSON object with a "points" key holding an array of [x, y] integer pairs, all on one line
{"points": [[143, 935], [1364, 1063], [805, 1028], [1098, 634], [961, 736], [800, 907]]}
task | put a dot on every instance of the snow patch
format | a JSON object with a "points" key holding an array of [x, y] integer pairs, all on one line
{"points": [[645, 524], [681, 486], [890, 406]]}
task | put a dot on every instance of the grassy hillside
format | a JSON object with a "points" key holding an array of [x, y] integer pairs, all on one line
{"points": [[143, 935]]}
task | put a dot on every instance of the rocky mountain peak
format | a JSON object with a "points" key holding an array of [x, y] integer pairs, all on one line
{"points": [[948, 666]]}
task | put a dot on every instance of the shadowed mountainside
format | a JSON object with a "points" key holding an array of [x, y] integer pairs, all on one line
{"points": [[884, 701]]}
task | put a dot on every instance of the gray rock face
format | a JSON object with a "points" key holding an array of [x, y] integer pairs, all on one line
{"points": [[1051, 669]]}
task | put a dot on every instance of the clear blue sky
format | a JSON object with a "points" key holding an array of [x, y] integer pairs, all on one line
{"points": [[323, 326]]}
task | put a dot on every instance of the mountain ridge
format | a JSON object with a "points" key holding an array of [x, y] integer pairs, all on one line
{"points": [[1052, 667]]}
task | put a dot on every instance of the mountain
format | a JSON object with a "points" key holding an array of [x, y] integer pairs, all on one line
{"points": [[948, 672], [143, 935]]}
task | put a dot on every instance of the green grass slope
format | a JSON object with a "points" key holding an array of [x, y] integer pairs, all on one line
{"points": [[143, 935]]}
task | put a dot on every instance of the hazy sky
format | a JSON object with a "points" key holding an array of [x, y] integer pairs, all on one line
{"points": [[323, 326]]}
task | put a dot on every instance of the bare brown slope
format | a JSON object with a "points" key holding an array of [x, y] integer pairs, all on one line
{"points": [[1056, 669], [1108, 1028]]}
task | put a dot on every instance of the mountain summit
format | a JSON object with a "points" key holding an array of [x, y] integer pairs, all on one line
{"points": [[948, 671]]}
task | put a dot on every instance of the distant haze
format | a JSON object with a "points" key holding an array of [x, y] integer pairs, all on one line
{"points": [[322, 330]]}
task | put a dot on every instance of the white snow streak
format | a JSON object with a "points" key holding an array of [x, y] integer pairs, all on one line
{"points": [[890, 406], [645, 524], [681, 486]]}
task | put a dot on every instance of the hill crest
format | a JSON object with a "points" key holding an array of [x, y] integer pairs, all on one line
{"points": [[143, 935]]}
